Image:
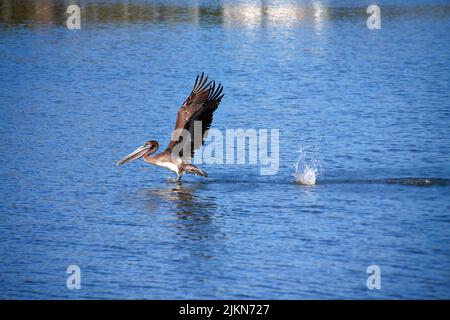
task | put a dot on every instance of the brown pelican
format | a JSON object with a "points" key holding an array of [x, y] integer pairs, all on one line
{"points": [[193, 120]]}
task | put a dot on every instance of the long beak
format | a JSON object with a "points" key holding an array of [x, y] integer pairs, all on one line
{"points": [[136, 154]]}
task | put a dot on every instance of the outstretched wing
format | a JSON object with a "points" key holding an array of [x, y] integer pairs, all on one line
{"points": [[196, 111]]}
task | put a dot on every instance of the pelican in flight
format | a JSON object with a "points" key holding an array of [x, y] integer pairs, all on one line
{"points": [[193, 120]]}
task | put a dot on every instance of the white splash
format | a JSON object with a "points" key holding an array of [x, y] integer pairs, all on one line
{"points": [[306, 171]]}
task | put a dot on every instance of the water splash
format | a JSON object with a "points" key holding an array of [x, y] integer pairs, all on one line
{"points": [[306, 170]]}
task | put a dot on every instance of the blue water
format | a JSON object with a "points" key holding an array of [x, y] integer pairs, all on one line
{"points": [[371, 107]]}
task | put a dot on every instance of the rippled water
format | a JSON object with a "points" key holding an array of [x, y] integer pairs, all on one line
{"points": [[371, 106]]}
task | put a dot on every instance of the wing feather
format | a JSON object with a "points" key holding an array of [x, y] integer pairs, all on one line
{"points": [[200, 105]]}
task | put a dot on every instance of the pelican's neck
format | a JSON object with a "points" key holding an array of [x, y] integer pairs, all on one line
{"points": [[150, 159]]}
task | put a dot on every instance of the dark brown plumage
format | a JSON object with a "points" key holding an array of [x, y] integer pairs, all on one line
{"points": [[199, 106]]}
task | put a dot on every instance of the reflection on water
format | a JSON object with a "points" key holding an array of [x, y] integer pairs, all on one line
{"points": [[176, 194], [184, 198], [192, 211], [320, 14], [248, 15], [230, 14]]}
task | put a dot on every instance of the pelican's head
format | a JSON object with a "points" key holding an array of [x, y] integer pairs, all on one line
{"points": [[148, 148]]}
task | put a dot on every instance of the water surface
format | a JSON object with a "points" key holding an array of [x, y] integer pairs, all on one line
{"points": [[370, 107]]}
